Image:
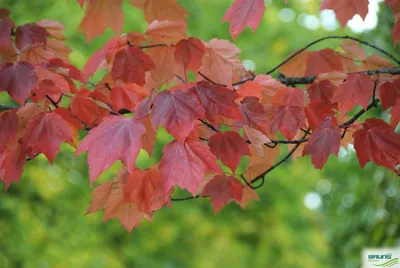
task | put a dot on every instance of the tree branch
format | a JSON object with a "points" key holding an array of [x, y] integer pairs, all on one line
{"points": [[343, 37], [210, 126], [310, 79], [302, 80], [262, 175], [8, 107], [147, 46], [187, 198], [360, 113], [209, 80]]}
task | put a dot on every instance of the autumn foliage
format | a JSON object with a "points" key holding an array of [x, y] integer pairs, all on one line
{"points": [[222, 116]]}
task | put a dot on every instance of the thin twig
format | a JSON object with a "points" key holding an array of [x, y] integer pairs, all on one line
{"points": [[151, 46], [8, 107], [180, 78], [344, 133], [108, 86], [290, 141], [373, 95], [357, 115], [303, 80], [262, 175], [210, 126], [334, 37], [187, 198], [52, 101], [209, 80]]}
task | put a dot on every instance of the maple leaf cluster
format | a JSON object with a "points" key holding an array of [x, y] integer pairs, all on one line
{"points": [[221, 116]]}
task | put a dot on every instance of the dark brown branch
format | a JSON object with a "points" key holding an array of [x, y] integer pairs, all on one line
{"points": [[374, 102], [108, 86], [91, 83], [211, 81], [187, 198], [310, 79], [343, 37], [359, 114], [290, 141], [210, 126], [55, 104], [303, 80], [149, 46], [344, 133], [181, 79], [146, 46], [8, 107], [262, 175]]}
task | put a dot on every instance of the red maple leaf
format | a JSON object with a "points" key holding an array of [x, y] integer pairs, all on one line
{"points": [[116, 138], [323, 61], [30, 34], [325, 140], [6, 25], [244, 13], [289, 96], [189, 52], [144, 188], [288, 115], [217, 100], [9, 128], [222, 190], [253, 113], [165, 66], [86, 109], [395, 114], [185, 164], [177, 111], [322, 91], [389, 93], [345, 9], [131, 64], [126, 212], [357, 89], [316, 113], [127, 96], [287, 119], [161, 10], [166, 31], [44, 134], [221, 63], [251, 88], [18, 79], [100, 196], [377, 141], [229, 147], [248, 195], [99, 15], [12, 164]]}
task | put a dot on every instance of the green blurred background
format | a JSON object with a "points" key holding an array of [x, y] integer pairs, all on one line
{"points": [[306, 218]]}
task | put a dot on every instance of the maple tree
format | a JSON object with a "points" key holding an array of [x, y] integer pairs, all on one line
{"points": [[224, 114]]}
